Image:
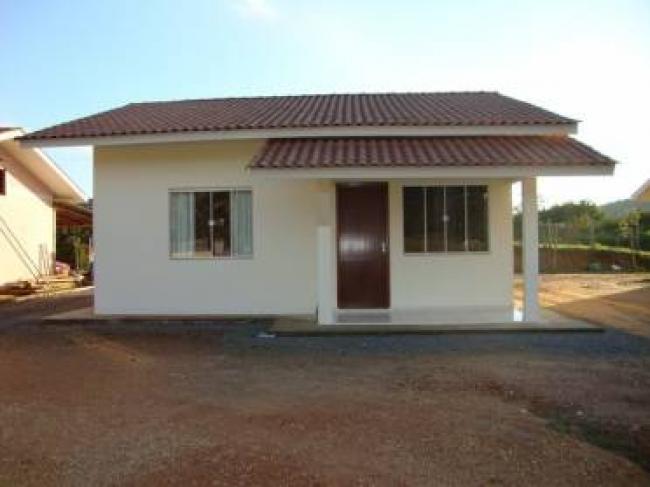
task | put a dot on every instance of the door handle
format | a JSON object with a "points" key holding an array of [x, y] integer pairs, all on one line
{"points": [[384, 247]]}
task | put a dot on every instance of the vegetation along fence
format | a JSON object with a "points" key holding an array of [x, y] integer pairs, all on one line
{"points": [[581, 237]]}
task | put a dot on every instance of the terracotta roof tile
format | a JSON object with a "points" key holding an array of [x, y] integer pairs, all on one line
{"points": [[306, 111], [309, 153]]}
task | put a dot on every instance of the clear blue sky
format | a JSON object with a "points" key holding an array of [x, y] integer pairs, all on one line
{"points": [[585, 59]]}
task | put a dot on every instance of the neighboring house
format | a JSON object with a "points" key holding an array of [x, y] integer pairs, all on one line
{"points": [[323, 204], [643, 193], [31, 187]]}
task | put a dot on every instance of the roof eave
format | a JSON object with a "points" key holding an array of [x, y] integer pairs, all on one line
{"points": [[438, 172], [44, 169], [354, 131]]}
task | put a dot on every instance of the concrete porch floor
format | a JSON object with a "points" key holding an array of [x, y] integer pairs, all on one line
{"points": [[431, 316], [447, 320], [366, 322]]}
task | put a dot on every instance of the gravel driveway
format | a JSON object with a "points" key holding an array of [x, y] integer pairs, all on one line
{"points": [[194, 405]]}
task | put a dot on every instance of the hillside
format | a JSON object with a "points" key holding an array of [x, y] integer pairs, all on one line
{"points": [[620, 208]]}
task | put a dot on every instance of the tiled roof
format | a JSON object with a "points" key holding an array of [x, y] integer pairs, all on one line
{"points": [[426, 152], [306, 111]]}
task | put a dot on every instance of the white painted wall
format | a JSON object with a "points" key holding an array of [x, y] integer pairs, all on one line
{"points": [[454, 279], [134, 274], [27, 224]]}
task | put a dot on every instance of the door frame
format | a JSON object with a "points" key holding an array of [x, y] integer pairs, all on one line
{"points": [[386, 255]]}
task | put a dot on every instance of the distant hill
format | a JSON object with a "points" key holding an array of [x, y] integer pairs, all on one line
{"points": [[620, 208]]}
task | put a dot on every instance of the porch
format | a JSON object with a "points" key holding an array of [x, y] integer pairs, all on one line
{"points": [[372, 271], [454, 268], [430, 322]]}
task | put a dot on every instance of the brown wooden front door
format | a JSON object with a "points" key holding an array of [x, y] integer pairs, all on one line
{"points": [[362, 245]]}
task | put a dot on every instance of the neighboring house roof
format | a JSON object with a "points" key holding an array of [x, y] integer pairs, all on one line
{"points": [[73, 215], [40, 166], [643, 193], [308, 153], [307, 112]]}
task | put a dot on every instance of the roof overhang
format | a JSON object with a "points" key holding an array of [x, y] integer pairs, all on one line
{"points": [[643, 193], [292, 133], [41, 167], [377, 174], [421, 157]]}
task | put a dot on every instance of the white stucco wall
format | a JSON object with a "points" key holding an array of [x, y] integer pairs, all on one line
{"points": [[27, 225], [135, 275], [456, 278]]}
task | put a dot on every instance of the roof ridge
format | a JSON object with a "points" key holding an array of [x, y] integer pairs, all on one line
{"points": [[359, 93]]}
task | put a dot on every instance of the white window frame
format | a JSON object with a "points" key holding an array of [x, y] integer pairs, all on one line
{"points": [[446, 251], [221, 189]]}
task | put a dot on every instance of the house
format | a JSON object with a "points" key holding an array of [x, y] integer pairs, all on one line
{"points": [[32, 191], [331, 205], [643, 193]]}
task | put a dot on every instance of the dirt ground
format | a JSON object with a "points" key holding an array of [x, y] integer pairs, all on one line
{"points": [[139, 404], [613, 300]]}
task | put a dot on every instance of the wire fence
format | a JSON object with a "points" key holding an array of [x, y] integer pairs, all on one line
{"points": [[592, 245]]}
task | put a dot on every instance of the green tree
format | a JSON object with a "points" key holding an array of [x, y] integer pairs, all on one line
{"points": [[581, 212]]}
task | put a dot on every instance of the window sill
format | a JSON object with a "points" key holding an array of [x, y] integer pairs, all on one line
{"points": [[214, 258], [445, 253]]}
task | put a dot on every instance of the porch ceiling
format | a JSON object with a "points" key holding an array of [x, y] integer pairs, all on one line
{"points": [[428, 152]]}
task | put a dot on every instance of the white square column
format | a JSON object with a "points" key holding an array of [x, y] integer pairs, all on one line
{"points": [[530, 249], [325, 271], [325, 314]]}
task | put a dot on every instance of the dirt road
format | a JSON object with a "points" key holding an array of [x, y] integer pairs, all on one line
{"points": [[154, 405]]}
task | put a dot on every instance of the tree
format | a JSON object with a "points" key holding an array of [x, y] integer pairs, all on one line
{"points": [[583, 211], [72, 246], [629, 228]]}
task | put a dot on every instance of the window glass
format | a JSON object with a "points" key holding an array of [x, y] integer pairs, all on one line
{"points": [[435, 219], [182, 224], [242, 223], [211, 223], [202, 246], [413, 199], [445, 218], [455, 211], [477, 218], [221, 223]]}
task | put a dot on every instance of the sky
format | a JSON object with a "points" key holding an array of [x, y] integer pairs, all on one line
{"points": [[588, 60]]}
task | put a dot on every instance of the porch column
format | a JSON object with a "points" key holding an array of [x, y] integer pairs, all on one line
{"points": [[530, 249], [325, 253], [324, 276]]}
